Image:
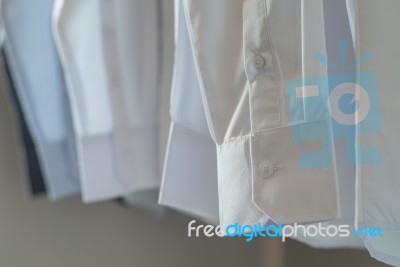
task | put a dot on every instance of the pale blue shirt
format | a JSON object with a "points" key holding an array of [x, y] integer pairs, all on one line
{"points": [[36, 71]]}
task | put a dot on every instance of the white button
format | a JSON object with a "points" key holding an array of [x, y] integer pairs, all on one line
{"points": [[259, 61], [265, 169]]}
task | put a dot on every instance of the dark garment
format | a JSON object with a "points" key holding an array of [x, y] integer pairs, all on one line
{"points": [[36, 183]]}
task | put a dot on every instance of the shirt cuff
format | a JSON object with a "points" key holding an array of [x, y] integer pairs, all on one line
{"points": [[60, 168], [286, 174], [190, 187], [115, 164]]}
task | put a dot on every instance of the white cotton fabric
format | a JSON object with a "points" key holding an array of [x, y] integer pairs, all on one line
{"points": [[337, 30], [247, 108], [377, 194], [190, 187], [116, 85]]}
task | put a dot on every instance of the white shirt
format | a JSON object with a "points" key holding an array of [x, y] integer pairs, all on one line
{"points": [[114, 66], [190, 171], [189, 187], [340, 53], [36, 71], [375, 29], [245, 52]]}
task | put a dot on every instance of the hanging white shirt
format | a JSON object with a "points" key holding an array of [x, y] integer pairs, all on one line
{"points": [[375, 29], [165, 46], [115, 86], [39, 82], [190, 171], [245, 51], [340, 54], [190, 187]]}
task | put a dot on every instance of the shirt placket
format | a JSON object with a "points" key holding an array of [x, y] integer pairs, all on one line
{"points": [[260, 68]]}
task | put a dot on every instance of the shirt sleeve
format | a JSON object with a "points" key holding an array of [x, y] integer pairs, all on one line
{"points": [[132, 57], [116, 86], [266, 105], [77, 32], [39, 84], [377, 133], [190, 172]]}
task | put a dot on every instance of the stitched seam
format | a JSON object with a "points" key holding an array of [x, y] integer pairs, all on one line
{"points": [[274, 61], [286, 126], [235, 140]]}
